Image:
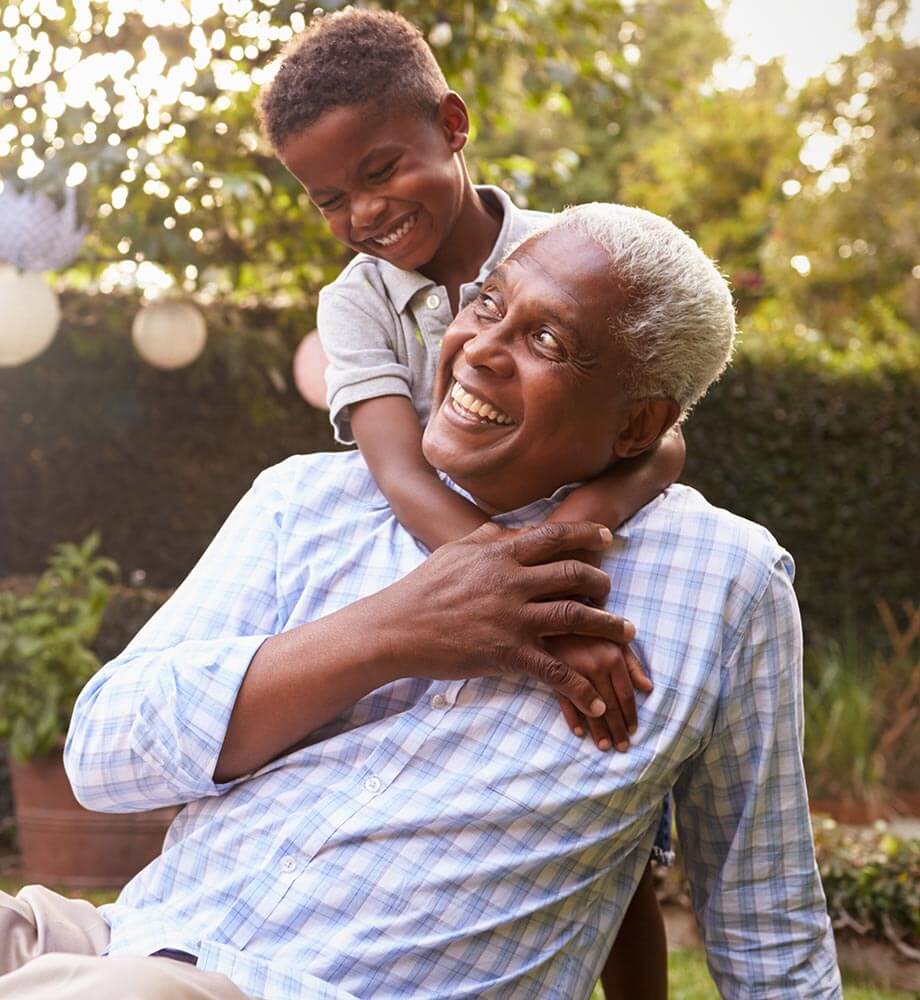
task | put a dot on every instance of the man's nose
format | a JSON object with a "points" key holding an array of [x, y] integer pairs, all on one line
{"points": [[367, 212], [490, 348]]}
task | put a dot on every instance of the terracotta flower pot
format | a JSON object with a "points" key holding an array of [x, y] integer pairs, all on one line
{"points": [[63, 844]]}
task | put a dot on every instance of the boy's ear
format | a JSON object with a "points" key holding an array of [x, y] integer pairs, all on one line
{"points": [[649, 419], [454, 120]]}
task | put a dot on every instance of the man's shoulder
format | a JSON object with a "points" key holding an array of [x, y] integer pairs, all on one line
{"points": [[321, 483], [685, 530]]}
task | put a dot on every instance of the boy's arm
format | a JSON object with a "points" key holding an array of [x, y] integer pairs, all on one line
{"points": [[614, 496], [389, 435]]}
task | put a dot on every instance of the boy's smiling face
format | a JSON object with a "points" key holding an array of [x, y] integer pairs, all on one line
{"points": [[389, 185]]}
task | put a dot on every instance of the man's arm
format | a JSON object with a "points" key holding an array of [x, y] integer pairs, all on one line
{"points": [[745, 832], [212, 687]]}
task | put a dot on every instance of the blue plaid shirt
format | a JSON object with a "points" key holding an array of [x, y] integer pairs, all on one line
{"points": [[454, 839]]}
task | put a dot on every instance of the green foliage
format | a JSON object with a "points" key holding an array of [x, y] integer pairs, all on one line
{"points": [[45, 639], [872, 882]]}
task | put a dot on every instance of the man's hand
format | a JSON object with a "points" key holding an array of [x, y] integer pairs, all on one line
{"points": [[484, 605], [616, 674]]}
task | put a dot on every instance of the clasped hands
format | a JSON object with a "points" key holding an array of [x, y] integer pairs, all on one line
{"points": [[509, 601]]}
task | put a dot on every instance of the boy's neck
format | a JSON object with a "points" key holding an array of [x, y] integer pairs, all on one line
{"points": [[467, 245]]}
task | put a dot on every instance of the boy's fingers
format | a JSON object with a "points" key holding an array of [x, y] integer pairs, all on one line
{"points": [[623, 688], [614, 716], [572, 716], [552, 538], [640, 679]]}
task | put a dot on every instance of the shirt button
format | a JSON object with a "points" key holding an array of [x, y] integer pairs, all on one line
{"points": [[288, 864], [438, 701], [433, 301], [372, 784]]}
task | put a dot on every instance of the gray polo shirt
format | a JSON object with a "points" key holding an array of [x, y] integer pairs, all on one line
{"points": [[381, 327]]}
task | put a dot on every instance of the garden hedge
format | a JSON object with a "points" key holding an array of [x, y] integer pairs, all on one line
{"points": [[823, 449]]}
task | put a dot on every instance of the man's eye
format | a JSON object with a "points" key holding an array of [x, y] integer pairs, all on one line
{"points": [[548, 340], [383, 172], [488, 304]]}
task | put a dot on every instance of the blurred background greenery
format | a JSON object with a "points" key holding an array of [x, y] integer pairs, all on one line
{"points": [[805, 188]]}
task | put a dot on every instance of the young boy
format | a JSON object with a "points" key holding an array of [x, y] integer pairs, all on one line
{"points": [[360, 113]]}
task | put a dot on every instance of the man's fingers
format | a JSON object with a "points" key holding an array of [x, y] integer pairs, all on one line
{"points": [[550, 539], [565, 682], [640, 679], [568, 577], [572, 617]]}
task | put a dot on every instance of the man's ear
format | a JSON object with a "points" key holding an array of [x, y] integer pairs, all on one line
{"points": [[454, 120], [649, 419]]}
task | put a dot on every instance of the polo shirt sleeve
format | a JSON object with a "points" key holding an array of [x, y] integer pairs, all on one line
{"points": [[359, 334]]}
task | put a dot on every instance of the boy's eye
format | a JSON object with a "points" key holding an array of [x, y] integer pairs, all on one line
{"points": [[383, 172], [329, 203]]}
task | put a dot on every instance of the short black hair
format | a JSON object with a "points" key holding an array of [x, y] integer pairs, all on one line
{"points": [[347, 59]]}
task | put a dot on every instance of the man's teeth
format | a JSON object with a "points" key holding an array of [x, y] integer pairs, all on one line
{"points": [[397, 234], [466, 403]]}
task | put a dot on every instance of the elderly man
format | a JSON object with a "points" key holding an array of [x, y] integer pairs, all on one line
{"points": [[383, 800]]}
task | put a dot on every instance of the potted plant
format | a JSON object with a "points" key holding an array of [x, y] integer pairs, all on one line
{"points": [[45, 660]]}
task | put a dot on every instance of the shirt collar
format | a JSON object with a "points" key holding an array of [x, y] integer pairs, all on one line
{"points": [[533, 513], [402, 285]]}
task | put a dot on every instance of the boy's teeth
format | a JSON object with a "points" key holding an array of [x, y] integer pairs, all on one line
{"points": [[486, 412], [397, 234]]}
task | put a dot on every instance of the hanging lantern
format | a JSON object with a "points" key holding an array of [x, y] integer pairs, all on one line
{"points": [[310, 363], [29, 316], [169, 334], [36, 235]]}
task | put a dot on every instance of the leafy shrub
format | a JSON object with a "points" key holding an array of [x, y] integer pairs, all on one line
{"points": [[872, 882], [45, 639]]}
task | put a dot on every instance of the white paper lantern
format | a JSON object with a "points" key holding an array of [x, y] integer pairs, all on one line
{"points": [[310, 363], [169, 334], [29, 316]]}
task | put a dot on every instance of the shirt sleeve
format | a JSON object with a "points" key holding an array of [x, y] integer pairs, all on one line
{"points": [[743, 821], [354, 328], [147, 729]]}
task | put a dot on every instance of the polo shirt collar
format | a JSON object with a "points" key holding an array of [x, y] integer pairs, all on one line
{"points": [[402, 286]]}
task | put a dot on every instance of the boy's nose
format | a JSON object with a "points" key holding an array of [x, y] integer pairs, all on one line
{"points": [[367, 214]]}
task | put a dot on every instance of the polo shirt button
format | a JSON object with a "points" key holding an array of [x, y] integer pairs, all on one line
{"points": [[433, 301], [438, 701], [372, 784], [288, 864]]}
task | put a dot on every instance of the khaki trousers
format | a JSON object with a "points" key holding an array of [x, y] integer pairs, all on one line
{"points": [[49, 950]]}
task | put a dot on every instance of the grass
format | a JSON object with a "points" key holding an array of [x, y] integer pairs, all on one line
{"points": [[688, 977], [689, 980]]}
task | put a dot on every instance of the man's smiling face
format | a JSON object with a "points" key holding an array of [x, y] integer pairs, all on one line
{"points": [[528, 391]]}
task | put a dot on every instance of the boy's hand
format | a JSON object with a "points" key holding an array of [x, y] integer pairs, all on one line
{"points": [[616, 673]]}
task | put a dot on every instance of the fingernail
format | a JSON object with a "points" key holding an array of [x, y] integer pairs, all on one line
{"points": [[603, 744], [623, 747], [632, 730], [578, 731], [597, 707], [606, 536]]}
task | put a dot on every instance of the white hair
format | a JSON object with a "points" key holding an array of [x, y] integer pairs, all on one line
{"points": [[678, 326]]}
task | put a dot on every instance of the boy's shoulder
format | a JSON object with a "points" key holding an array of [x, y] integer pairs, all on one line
{"points": [[360, 277]]}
